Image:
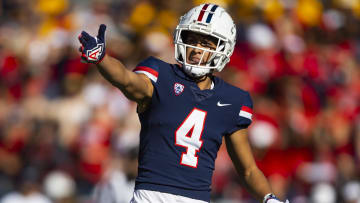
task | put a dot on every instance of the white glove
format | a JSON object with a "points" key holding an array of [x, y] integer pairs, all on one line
{"points": [[271, 198]]}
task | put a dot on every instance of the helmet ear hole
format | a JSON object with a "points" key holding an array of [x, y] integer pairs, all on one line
{"points": [[180, 53], [181, 58]]}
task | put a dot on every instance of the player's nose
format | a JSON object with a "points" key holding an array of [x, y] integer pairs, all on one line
{"points": [[196, 52], [198, 49]]}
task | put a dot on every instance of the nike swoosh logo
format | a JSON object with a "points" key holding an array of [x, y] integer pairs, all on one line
{"points": [[219, 104]]}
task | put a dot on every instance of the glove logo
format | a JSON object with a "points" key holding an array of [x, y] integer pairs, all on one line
{"points": [[96, 52]]}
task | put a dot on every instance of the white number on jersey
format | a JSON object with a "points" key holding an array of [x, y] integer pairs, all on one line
{"points": [[188, 135]]}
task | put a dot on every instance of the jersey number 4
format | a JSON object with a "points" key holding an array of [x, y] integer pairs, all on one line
{"points": [[188, 135]]}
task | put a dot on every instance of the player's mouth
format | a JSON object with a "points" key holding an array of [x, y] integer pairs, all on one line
{"points": [[195, 61]]}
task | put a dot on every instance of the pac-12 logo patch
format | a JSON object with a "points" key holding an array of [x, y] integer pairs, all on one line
{"points": [[178, 88]]}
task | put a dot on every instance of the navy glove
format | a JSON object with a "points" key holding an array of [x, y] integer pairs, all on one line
{"points": [[92, 48], [271, 198]]}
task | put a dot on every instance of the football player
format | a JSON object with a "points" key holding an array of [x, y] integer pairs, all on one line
{"points": [[185, 110]]}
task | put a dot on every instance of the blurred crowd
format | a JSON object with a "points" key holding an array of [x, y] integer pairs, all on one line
{"points": [[67, 135]]}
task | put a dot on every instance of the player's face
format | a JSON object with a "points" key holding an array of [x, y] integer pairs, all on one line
{"points": [[194, 55]]}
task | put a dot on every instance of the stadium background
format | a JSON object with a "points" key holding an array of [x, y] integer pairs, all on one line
{"points": [[64, 129]]}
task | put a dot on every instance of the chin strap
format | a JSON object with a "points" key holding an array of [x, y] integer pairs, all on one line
{"points": [[199, 79], [212, 85]]}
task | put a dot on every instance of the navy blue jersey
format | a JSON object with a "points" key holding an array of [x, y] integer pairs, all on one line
{"points": [[182, 130]]}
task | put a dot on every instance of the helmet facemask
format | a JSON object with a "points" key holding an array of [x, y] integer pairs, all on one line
{"points": [[214, 57]]}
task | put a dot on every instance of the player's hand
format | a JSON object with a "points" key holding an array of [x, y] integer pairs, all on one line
{"points": [[271, 198], [92, 48], [276, 201]]}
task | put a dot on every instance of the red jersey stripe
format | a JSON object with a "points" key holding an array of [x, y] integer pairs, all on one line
{"points": [[247, 109], [147, 69]]}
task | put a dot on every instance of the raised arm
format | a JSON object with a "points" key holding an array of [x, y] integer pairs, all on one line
{"points": [[253, 179], [136, 87]]}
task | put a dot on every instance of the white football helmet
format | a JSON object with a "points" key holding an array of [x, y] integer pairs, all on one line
{"points": [[208, 19]]}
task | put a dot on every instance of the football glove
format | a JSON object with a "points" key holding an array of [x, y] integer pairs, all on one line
{"points": [[92, 48], [271, 198]]}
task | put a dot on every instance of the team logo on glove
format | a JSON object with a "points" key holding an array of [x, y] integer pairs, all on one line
{"points": [[95, 53]]}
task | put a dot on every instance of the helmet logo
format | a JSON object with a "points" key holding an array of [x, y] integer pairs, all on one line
{"points": [[178, 88], [210, 13]]}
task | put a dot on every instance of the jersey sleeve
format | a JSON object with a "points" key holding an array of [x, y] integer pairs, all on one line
{"points": [[149, 67], [244, 117]]}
